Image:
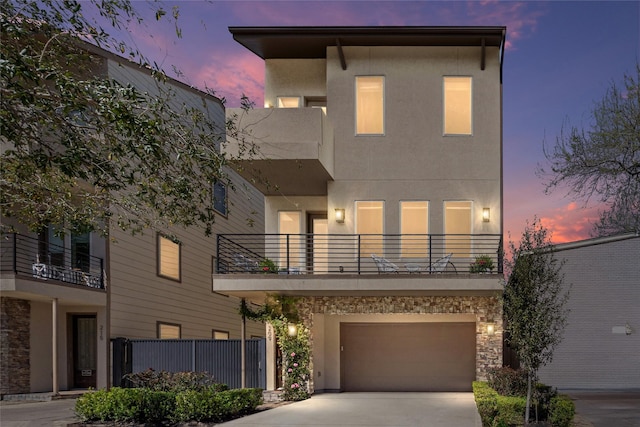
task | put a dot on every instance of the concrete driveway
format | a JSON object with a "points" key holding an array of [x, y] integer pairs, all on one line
{"points": [[371, 409], [608, 408]]}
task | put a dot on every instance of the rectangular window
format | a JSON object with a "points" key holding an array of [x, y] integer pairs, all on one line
{"points": [[370, 105], [457, 228], [291, 242], [414, 229], [220, 198], [457, 106], [370, 227], [288, 102], [219, 335], [168, 258], [168, 331], [80, 250]]}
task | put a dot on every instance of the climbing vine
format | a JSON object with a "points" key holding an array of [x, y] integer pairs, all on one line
{"points": [[281, 312]]}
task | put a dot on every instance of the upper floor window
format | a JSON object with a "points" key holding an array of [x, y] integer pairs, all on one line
{"points": [[220, 198], [414, 228], [369, 105], [457, 106], [370, 225], [219, 335], [288, 102], [291, 242], [168, 331], [168, 258], [458, 227]]}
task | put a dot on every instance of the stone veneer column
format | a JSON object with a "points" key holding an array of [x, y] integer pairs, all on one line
{"points": [[486, 309], [15, 320]]}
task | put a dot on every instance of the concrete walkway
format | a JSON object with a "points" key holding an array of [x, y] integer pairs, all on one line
{"points": [[371, 409]]}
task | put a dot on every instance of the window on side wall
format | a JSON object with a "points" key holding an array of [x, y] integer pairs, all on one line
{"points": [[414, 229], [370, 227], [169, 258], [220, 198], [288, 102], [169, 331], [219, 335], [370, 105], [457, 106]]}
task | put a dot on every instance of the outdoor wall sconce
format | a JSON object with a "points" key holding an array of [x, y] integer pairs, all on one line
{"points": [[340, 216], [491, 329], [292, 330], [486, 214]]}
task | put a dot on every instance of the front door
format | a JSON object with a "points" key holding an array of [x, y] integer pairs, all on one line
{"points": [[84, 350], [318, 243]]}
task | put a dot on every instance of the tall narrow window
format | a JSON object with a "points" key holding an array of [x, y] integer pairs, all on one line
{"points": [[414, 229], [288, 102], [457, 106], [220, 198], [80, 251], [168, 331], [291, 242], [168, 258], [370, 227], [370, 105], [457, 228]]}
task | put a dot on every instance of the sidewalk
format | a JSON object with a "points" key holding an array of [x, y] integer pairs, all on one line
{"points": [[59, 412]]}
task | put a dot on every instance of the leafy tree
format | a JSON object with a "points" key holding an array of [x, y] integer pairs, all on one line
{"points": [[534, 302], [82, 150], [604, 161]]}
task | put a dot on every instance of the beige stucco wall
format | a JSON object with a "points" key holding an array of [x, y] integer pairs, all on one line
{"points": [[323, 315], [294, 77]]}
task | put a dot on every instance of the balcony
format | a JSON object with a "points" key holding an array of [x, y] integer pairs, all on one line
{"points": [[25, 257], [252, 265], [293, 150]]}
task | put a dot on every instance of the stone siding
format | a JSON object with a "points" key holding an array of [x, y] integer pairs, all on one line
{"points": [[487, 310], [14, 346]]}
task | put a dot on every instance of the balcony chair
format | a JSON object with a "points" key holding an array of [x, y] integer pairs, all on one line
{"points": [[384, 265], [438, 266], [245, 264]]}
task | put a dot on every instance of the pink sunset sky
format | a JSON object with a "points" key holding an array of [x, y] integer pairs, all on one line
{"points": [[560, 58]]}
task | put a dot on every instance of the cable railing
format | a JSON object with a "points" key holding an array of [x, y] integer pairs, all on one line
{"points": [[359, 253], [41, 260]]}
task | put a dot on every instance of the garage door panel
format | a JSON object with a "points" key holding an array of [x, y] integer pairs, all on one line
{"points": [[408, 356]]}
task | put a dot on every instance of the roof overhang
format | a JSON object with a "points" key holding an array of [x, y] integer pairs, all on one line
{"points": [[312, 42]]}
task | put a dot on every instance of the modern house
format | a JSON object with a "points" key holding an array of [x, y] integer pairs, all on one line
{"points": [[600, 348], [64, 298], [381, 166]]}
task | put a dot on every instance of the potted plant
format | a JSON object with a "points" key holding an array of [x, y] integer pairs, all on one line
{"points": [[482, 264], [267, 266]]}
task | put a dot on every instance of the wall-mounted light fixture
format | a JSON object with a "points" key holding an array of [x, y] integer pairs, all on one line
{"points": [[340, 216], [491, 329], [486, 214], [292, 330]]}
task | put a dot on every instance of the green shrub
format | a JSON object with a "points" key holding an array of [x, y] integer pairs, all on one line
{"points": [[510, 411], [561, 411], [173, 381], [486, 401], [507, 381]]}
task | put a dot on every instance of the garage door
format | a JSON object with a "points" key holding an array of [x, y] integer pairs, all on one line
{"points": [[407, 356]]}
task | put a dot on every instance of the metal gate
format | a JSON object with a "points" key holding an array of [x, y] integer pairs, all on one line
{"points": [[219, 358]]}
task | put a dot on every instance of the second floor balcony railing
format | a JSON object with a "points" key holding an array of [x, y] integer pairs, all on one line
{"points": [[28, 256], [359, 253]]}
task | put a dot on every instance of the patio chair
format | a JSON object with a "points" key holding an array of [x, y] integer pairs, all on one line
{"points": [[439, 265], [384, 265]]}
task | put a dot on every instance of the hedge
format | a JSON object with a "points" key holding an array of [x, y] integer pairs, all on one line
{"points": [[497, 411], [143, 405]]}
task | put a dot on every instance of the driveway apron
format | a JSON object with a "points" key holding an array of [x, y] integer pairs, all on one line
{"points": [[371, 409]]}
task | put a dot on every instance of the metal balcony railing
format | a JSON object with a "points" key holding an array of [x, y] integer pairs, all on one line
{"points": [[352, 254], [41, 260]]}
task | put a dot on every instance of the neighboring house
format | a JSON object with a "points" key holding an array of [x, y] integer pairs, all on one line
{"points": [[64, 298], [381, 153], [600, 348]]}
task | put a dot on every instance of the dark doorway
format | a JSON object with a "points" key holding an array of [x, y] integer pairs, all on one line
{"points": [[84, 351]]}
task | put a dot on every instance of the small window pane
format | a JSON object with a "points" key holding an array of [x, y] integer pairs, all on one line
{"points": [[220, 335], [288, 102], [457, 105], [414, 227], [220, 198], [370, 105], [168, 258], [167, 331]]}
